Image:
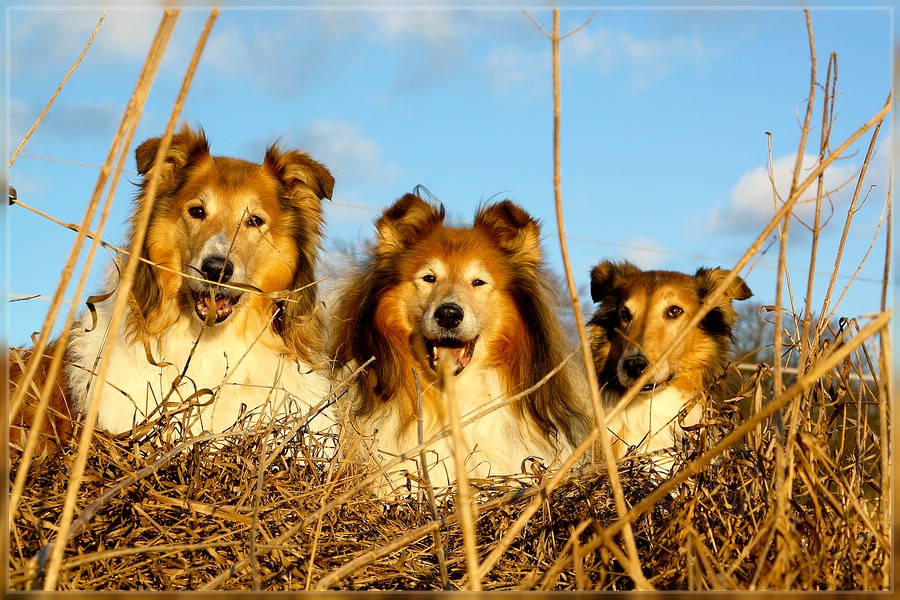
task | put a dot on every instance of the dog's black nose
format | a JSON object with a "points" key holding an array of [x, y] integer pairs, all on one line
{"points": [[217, 269], [449, 316], [634, 365]]}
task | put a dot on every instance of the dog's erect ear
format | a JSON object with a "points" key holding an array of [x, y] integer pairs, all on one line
{"points": [[186, 147], [514, 230], [604, 275], [409, 219], [295, 169], [710, 279], [722, 317]]}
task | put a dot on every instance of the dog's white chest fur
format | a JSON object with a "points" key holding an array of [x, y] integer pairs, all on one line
{"points": [[228, 376], [494, 444], [650, 421]]}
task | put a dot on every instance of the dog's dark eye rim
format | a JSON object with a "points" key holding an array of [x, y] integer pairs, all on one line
{"points": [[429, 278], [197, 212], [625, 314], [674, 311], [478, 282], [255, 221]]}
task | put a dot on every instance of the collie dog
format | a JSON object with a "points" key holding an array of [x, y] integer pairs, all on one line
{"points": [[473, 302], [221, 324], [639, 315]]}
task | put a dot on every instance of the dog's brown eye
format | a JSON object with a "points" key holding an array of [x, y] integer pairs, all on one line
{"points": [[675, 312], [255, 221], [429, 279], [479, 282], [197, 212], [625, 315]]}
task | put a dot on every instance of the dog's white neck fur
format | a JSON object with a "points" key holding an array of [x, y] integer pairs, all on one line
{"points": [[246, 376], [495, 444], [650, 421]]}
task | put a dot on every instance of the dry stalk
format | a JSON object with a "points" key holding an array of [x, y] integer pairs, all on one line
{"points": [[634, 566], [280, 295], [429, 488], [885, 386], [784, 472], [42, 343], [38, 563], [467, 510], [125, 283], [828, 311], [827, 121], [59, 88]]}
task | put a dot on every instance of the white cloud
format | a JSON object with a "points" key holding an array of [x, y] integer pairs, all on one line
{"points": [[645, 253], [753, 202], [647, 61], [52, 36], [269, 58], [346, 150], [512, 66]]}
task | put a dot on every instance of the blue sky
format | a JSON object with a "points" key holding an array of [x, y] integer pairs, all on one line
{"points": [[665, 111]]}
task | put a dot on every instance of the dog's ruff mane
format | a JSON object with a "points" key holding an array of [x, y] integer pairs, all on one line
{"points": [[378, 316], [265, 356]]}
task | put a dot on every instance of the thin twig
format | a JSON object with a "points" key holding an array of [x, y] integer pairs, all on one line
{"points": [[59, 88], [140, 229], [464, 505], [43, 338]]}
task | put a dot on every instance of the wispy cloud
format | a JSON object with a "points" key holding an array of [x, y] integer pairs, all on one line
{"points": [[510, 67], [641, 62], [43, 37], [646, 61], [753, 203], [645, 253], [351, 155]]}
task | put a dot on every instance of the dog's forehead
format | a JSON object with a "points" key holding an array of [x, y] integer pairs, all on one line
{"points": [[450, 254], [671, 287], [658, 287], [230, 183]]}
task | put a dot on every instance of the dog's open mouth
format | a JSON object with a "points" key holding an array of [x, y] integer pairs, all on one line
{"points": [[659, 385], [457, 352], [223, 304]]}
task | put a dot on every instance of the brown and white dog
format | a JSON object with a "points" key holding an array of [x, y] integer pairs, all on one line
{"points": [[639, 315], [221, 324], [476, 298]]}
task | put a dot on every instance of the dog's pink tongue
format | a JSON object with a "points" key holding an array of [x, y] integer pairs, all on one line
{"points": [[457, 355]]}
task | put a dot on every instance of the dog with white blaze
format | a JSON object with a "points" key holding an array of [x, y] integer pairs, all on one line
{"points": [[476, 302]]}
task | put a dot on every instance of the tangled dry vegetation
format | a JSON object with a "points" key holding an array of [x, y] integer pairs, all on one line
{"points": [[778, 510], [785, 486]]}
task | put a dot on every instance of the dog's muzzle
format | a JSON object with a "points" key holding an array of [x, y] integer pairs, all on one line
{"points": [[213, 303], [632, 367], [450, 346]]}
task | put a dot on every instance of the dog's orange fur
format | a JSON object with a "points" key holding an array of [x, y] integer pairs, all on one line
{"points": [[493, 271], [639, 315]]}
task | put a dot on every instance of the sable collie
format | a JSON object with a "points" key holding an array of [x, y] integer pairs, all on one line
{"points": [[221, 324], [474, 297], [639, 314]]}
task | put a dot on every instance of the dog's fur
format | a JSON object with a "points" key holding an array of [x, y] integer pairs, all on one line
{"points": [[639, 315], [190, 347], [474, 297]]}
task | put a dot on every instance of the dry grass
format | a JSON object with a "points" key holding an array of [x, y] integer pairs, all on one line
{"points": [[198, 512], [786, 486]]}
